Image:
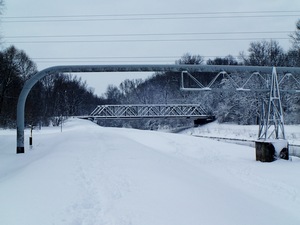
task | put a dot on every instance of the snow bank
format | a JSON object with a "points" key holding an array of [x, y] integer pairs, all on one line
{"points": [[93, 175], [246, 132]]}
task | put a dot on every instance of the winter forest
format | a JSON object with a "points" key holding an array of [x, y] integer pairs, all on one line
{"points": [[67, 95]]}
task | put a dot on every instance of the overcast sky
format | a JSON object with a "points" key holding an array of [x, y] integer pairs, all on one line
{"points": [[62, 32]]}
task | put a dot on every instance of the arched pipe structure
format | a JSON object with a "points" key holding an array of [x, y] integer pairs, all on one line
{"points": [[124, 68]]}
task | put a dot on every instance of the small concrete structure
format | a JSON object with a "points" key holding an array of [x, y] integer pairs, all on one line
{"points": [[270, 150]]}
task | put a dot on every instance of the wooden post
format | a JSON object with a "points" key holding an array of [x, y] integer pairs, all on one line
{"points": [[30, 138]]}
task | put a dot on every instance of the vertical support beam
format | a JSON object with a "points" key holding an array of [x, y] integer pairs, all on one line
{"points": [[262, 120], [272, 124], [21, 111], [269, 147], [182, 80]]}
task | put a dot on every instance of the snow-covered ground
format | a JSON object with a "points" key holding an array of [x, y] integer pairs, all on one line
{"points": [[90, 175], [245, 132]]}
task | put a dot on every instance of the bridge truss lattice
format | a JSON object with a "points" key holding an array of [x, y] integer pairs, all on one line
{"points": [[149, 111]]}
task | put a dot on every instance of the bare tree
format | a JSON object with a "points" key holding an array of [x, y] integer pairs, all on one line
{"points": [[227, 60], [190, 59], [296, 36], [15, 68], [293, 55], [20, 61], [130, 91], [1, 7], [113, 94], [264, 53]]}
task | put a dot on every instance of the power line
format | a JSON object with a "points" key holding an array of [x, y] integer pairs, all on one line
{"points": [[105, 59], [149, 16], [112, 57], [145, 18], [144, 40], [118, 57], [111, 61], [148, 34]]}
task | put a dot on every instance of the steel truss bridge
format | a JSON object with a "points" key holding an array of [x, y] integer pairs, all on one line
{"points": [[273, 114], [149, 111]]}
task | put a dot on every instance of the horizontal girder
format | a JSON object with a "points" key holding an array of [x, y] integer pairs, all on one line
{"points": [[163, 68], [256, 81]]}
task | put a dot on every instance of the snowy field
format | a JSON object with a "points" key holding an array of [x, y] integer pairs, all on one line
{"points": [[90, 175], [245, 132]]}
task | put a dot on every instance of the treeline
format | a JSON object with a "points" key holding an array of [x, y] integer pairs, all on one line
{"points": [[52, 97]]}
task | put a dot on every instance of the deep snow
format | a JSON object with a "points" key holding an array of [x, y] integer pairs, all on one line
{"points": [[246, 132], [90, 175]]}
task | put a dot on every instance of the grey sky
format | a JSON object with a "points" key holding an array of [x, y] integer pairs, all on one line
{"points": [[110, 37]]}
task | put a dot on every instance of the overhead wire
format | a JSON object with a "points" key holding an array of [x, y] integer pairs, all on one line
{"points": [[148, 34], [157, 14], [148, 16], [119, 59], [222, 15], [141, 16], [145, 18], [235, 13], [142, 40], [116, 59]]}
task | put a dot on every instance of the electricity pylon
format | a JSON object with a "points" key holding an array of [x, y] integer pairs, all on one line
{"points": [[271, 122]]}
